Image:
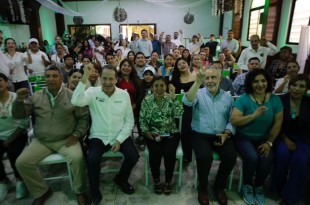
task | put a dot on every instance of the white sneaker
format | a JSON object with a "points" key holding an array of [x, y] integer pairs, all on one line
{"points": [[3, 191], [20, 190]]}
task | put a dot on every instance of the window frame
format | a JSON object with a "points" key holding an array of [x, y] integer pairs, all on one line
{"points": [[251, 10], [290, 24], [138, 24], [69, 26]]}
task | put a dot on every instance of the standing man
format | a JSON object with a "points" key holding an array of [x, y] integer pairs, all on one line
{"points": [[155, 43], [260, 48], [39, 59], [58, 127], [133, 45], [212, 44], [230, 43], [177, 40], [112, 124], [168, 45], [211, 132], [144, 45]]}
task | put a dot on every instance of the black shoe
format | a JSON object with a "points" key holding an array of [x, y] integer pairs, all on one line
{"points": [[124, 185], [95, 200]]}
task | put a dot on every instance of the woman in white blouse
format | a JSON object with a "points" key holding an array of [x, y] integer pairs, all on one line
{"points": [[13, 139], [58, 58], [16, 61]]}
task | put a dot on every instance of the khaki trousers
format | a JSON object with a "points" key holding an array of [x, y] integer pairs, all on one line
{"points": [[27, 165]]}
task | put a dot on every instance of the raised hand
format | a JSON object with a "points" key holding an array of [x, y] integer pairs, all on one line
{"points": [[22, 93], [172, 91], [259, 111], [263, 42], [201, 76]]}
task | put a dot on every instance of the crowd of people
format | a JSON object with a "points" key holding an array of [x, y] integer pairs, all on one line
{"points": [[96, 92]]}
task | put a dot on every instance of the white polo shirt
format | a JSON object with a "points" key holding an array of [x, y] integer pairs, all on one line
{"points": [[37, 64]]}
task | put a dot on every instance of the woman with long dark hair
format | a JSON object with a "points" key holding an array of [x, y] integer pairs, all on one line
{"points": [[129, 80], [15, 61], [183, 79], [186, 56]]}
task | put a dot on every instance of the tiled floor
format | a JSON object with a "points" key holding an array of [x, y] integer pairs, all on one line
{"points": [[143, 195]]}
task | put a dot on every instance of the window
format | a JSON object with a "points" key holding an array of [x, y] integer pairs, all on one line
{"points": [[81, 31], [299, 17], [255, 24]]}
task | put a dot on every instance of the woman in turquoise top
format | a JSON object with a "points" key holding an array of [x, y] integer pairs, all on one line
{"points": [[166, 69], [258, 116]]}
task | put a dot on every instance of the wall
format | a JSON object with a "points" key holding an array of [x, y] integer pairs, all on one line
{"points": [[227, 23], [48, 24], [167, 19], [19, 32]]}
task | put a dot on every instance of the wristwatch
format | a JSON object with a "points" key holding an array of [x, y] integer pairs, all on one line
{"points": [[269, 143]]}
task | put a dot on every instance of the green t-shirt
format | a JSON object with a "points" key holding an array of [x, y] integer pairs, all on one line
{"points": [[260, 127]]}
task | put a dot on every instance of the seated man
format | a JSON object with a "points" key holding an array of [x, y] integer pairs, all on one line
{"points": [[141, 64], [225, 82], [57, 128], [211, 132], [112, 123], [238, 84]]}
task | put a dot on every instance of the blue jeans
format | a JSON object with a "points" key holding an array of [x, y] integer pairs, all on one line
{"points": [[96, 150], [293, 188], [253, 162]]}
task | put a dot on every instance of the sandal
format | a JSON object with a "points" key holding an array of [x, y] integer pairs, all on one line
{"points": [[158, 187], [168, 188]]}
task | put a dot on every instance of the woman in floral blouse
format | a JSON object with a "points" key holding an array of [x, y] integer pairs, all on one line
{"points": [[157, 122]]}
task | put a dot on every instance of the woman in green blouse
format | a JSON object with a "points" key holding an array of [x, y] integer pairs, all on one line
{"points": [[157, 122]]}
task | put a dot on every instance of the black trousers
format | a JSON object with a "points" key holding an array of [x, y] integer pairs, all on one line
{"points": [[167, 149], [203, 147], [96, 150], [13, 151], [186, 133]]}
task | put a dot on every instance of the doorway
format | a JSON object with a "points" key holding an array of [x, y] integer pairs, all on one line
{"points": [[128, 29]]}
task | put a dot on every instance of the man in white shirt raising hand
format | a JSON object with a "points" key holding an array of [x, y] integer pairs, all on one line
{"points": [[112, 123]]}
